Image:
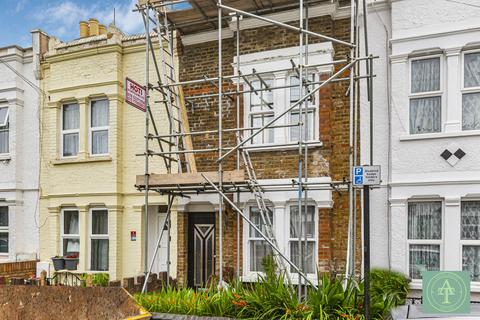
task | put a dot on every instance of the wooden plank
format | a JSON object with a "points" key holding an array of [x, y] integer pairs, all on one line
{"points": [[187, 140], [165, 180]]}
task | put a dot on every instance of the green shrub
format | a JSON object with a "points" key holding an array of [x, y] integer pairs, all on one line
{"points": [[273, 298]]}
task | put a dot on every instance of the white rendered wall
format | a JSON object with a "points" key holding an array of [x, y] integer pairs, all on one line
{"points": [[19, 168]]}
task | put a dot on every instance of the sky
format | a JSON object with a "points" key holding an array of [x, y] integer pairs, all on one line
{"points": [[60, 18]]}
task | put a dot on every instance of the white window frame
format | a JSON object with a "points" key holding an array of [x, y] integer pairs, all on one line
{"points": [[92, 236], [439, 242], [265, 112], [315, 239], [429, 94], [4, 127], [464, 242], [465, 90], [64, 132], [309, 108], [6, 229], [62, 229], [93, 129], [249, 238]]}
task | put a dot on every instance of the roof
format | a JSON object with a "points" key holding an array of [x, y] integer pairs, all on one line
{"points": [[202, 15]]}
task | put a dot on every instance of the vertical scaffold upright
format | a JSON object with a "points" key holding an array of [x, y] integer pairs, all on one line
{"points": [[176, 147]]}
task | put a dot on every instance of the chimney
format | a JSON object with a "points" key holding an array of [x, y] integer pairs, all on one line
{"points": [[93, 27], [83, 29], [102, 29]]}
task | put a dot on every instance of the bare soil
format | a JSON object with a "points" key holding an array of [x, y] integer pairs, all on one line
{"points": [[51, 303]]}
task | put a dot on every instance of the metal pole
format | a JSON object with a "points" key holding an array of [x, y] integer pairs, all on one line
{"points": [[287, 26], [220, 136], [366, 250], [147, 175], [370, 90], [300, 160], [267, 239], [159, 240], [169, 239], [237, 34], [308, 95]]}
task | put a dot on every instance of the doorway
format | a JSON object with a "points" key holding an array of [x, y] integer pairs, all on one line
{"points": [[201, 249]]}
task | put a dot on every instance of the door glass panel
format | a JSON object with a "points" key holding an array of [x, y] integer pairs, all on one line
{"points": [[197, 280]]}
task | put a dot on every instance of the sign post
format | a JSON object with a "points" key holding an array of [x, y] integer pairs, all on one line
{"points": [[366, 176], [135, 95]]}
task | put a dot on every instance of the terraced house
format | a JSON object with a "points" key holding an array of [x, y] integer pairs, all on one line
{"points": [[260, 64], [19, 150], [89, 206]]}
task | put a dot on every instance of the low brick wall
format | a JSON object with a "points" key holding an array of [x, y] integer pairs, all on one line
{"points": [[134, 284], [20, 269]]}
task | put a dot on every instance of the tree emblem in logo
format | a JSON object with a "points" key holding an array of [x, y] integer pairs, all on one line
{"points": [[446, 292]]}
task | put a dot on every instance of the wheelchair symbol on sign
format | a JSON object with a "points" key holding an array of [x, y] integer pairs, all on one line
{"points": [[358, 180]]}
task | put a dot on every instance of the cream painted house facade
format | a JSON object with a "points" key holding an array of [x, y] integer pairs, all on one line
{"points": [[90, 138]]}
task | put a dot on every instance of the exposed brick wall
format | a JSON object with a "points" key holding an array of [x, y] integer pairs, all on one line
{"points": [[21, 269], [332, 159]]}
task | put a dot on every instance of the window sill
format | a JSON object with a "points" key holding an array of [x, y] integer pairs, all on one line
{"points": [[78, 160], [5, 157], [280, 147], [439, 135]]}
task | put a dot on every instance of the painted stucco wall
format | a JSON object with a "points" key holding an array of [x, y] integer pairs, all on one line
{"points": [[97, 68], [418, 172], [19, 169]]}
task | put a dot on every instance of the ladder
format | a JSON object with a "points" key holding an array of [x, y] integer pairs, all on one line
{"points": [[267, 223], [172, 96]]}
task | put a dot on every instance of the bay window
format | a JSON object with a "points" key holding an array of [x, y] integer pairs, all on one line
{"points": [[470, 238], [425, 95], [471, 91], [70, 232], [4, 232], [99, 127], [424, 237], [99, 243], [297, 231], [4, 130], [70, 129]]}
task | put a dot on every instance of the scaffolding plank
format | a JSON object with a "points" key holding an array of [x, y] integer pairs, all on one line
{"points": [[183, 179]]}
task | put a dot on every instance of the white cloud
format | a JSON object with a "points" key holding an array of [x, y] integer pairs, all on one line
{"points": [[63, 18], [20, 5]]}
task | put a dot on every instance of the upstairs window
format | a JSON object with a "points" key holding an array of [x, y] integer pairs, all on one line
{"points": [[295, 113], [261, 111], [4, 130], [425, 96], [99, 126], [471, 91], [70, 129]]}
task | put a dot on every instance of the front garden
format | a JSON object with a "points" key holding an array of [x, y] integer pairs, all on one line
{"points": [[273, 298]]}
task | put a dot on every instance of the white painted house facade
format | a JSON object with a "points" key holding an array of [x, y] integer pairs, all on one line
{"points": [[426, 213], [19, 151]]}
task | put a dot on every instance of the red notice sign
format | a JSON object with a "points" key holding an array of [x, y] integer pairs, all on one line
{"points": [[135, 95]]}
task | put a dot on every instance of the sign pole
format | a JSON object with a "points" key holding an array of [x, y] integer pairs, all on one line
{"points": [[366, 250]]}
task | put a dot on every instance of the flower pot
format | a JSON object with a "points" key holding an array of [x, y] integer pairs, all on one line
{"points": [[58, 263], [71, 263]]}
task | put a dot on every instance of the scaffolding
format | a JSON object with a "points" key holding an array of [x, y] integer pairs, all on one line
{"points": [[177, 150]]}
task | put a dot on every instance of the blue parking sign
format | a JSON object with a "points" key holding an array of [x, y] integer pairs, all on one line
{"points": [[358, 171]]}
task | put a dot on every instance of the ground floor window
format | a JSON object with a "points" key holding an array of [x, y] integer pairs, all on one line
{"points": [[289, 220], [4, 229], [70, 232], [424, 237], [99, 242], [470, 238]]}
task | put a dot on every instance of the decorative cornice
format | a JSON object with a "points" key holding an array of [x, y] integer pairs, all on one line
{"points": [[86, 86], [81, 53], [452, 201]]}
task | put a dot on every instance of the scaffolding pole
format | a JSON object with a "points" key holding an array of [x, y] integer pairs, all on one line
{"points": [[307, 90]]}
